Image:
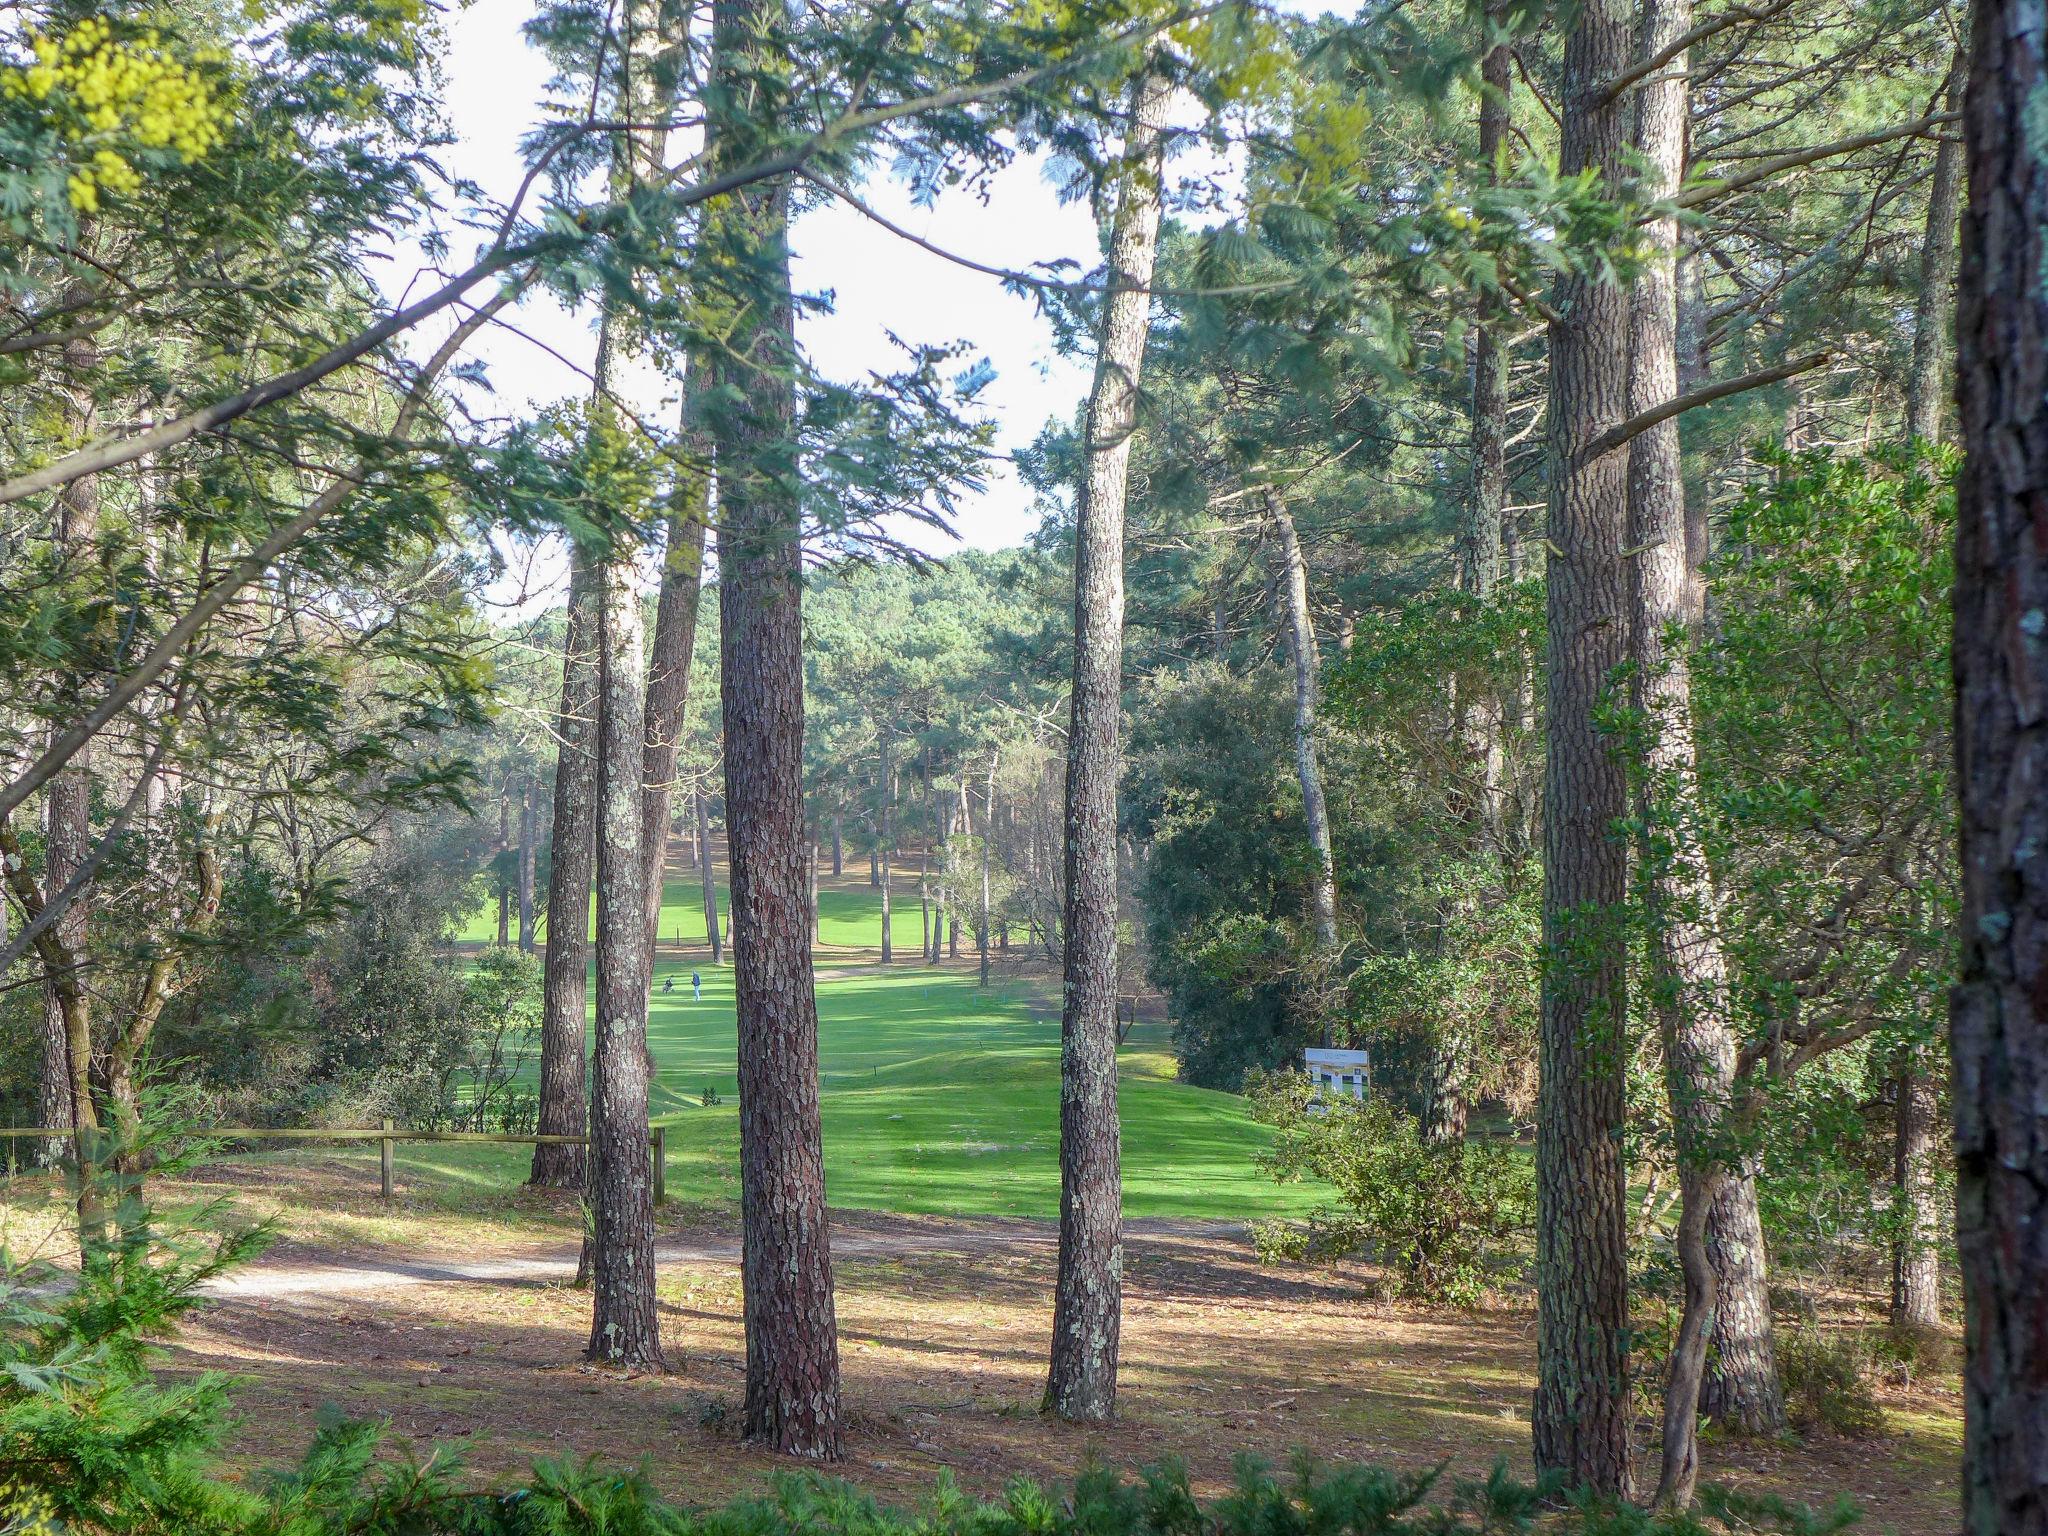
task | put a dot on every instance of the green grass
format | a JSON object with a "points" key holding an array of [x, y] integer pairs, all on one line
{"points": [[847, 919], [938, 1099]]}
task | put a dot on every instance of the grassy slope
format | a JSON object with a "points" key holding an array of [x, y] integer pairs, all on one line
{"points": [[938, 1098]]}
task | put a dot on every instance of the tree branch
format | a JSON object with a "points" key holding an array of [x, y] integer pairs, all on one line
{"points": [[1706, 191], [1621, 432]]}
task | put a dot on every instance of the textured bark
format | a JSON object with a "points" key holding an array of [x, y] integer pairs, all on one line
{"points": [[1934, 310], [1916, 1258], [1580, 1420], [67, 806], [67, 836], [1998, 1011], [566, 964], [1741, 1390], [1088, 1295], [1688, 973], [1302, 656], [624, 1326], [792, 1394]]}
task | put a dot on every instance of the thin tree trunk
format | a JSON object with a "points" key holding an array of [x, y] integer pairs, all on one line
{"points": [[668, 667], [712, 931], [988, 837], [882, 850], [565, 985], [1916, 1258], [625, 1327], [526, 858], [1998, 1009], [1302, 655], [1088, 1298], [838, 846], [498, 865], [1580, 1420], [792, 1391], [1688, 974], [1927, 386]]}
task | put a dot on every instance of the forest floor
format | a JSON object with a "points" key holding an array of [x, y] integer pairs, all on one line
{"points": [[465, 1330]]}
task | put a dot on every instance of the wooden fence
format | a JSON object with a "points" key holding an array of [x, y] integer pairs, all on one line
{"points": [[387, 1136]]}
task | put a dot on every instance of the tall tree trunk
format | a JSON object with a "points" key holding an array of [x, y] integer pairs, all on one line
{"points": [[1916, 1257], [882, 850], [67, 837], [625, 1327], [838, 846], [498, 864], [792, 1393], [1927, 386], [1088, 1298], [1446, 1108], [712, 930], [1688, 973], [1998, 1010], [668, 667], [566, 964], [1580, 1421], [1740, 1390], [988, 837], [527, 832], [67, 804], [1302, 656]]}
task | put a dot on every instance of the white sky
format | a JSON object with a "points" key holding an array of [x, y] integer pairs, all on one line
{"points": [[880, 283]]}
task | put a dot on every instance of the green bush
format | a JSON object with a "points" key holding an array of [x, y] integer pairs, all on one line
{"points": [[1434, 1215], [1827, 1384]]}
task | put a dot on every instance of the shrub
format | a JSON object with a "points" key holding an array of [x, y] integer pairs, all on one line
{"points": [[1827, 1384], [1431, 1214]]}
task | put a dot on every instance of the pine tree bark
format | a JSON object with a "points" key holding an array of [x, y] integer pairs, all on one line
{"points": [[888, 835], [1916, 1256], [624, 1326], [988, 837], [1998, 1010], [1687, 970], [1927, 386], [565, 974], [1580, 1420], [792, 1394], [1088, 1295]]}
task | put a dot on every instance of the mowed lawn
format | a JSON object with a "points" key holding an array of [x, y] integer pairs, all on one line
{"points": [[939, 1098], [847, 918]]}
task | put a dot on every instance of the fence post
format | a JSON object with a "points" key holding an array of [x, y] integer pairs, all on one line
{"points": [[385, 1157], [661, 1165]]}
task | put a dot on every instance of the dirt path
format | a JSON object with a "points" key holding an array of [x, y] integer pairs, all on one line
{"points": [[299, 1278]]}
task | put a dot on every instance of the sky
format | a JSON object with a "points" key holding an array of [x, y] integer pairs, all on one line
{"points": [[880, 284]]}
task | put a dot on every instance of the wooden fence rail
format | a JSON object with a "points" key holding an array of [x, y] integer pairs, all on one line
{"points": [[386, 1135]]}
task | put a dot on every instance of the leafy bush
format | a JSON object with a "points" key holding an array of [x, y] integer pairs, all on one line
{"points": [[1827, 1384], [1431, 1214]]}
